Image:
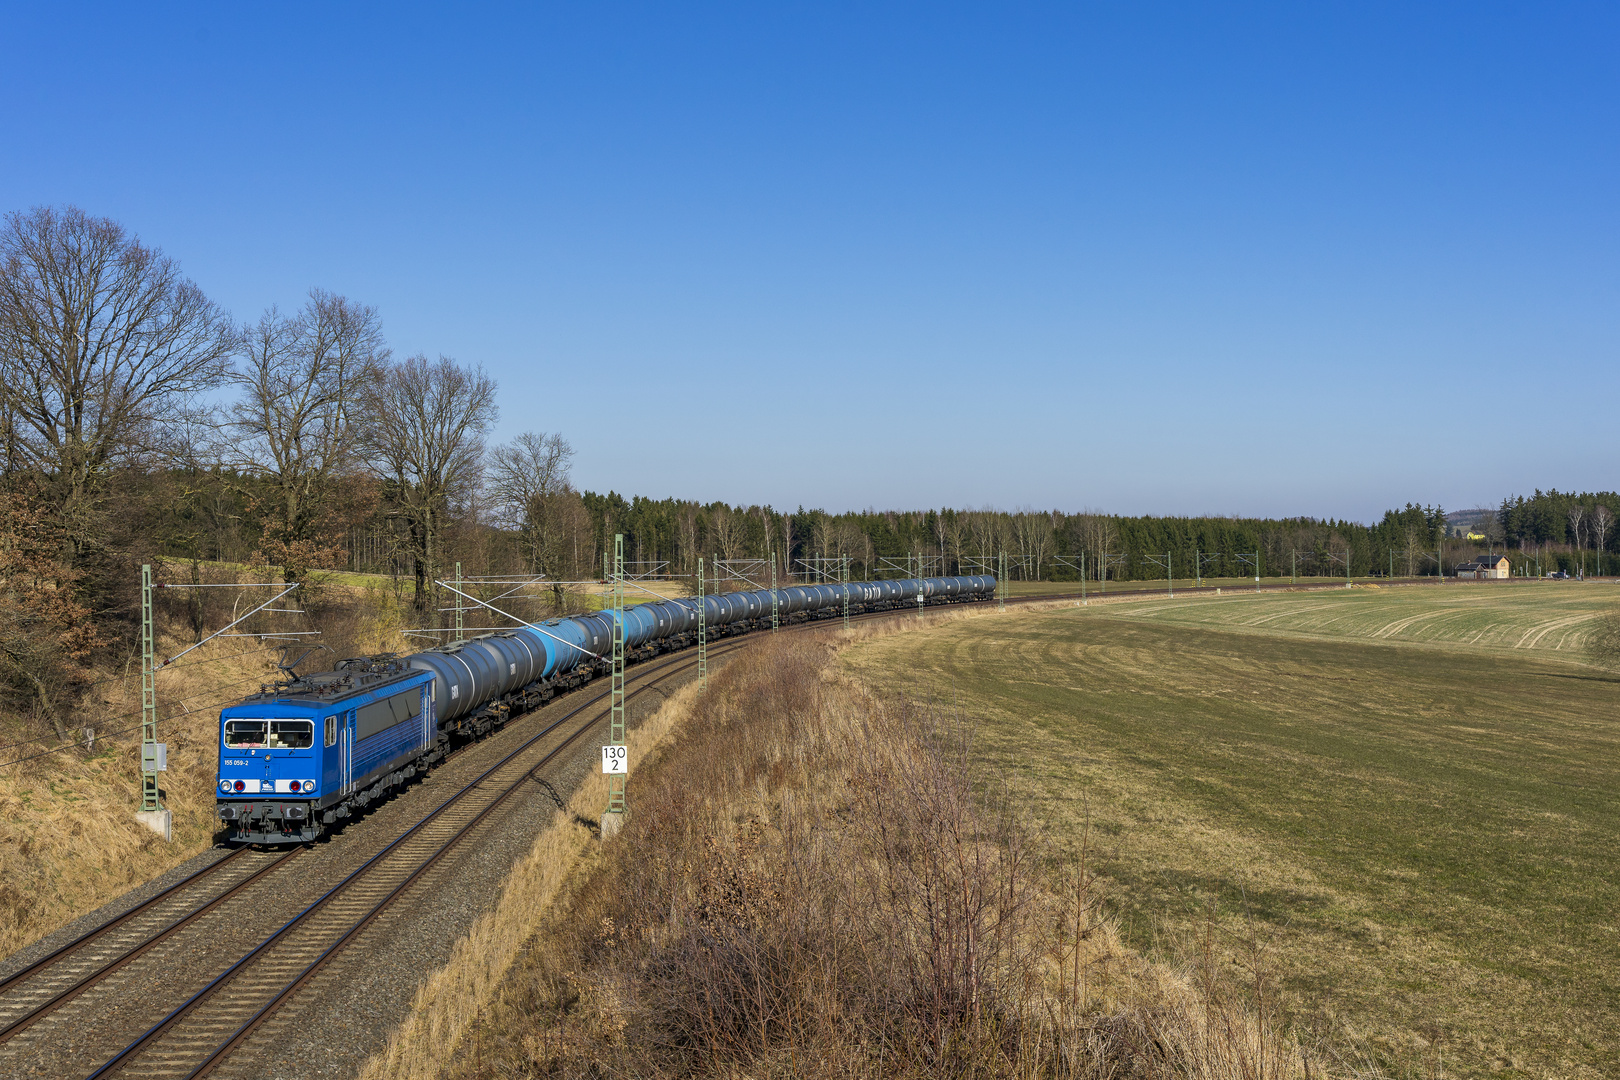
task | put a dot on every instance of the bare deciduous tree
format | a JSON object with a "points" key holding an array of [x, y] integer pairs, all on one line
{"points": [[529, 480], [102, 342], [686, 537], [985, 529], [1097, 534], [729, 532], [821, 529], [1415, 547], [787, 545], [426, 421], [1602, 522], [303, 378], [1577, 514], [950, 540], [1033, 531]]}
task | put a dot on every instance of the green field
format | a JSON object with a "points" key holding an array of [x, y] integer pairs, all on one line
{"points": [[1405, 799], [1064, 588]]}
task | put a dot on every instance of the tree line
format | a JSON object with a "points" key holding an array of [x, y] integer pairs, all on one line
{"points": [[139, 421], [1561, 529]]}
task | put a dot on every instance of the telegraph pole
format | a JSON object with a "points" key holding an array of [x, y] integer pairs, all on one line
{"points": [[1002, 582], [1252, 560], [154, 755], [703, 633], [615, 757], [846, 592], [773, 592], [1169, 573], [919, 585], [1202, 557], [458, 602]]}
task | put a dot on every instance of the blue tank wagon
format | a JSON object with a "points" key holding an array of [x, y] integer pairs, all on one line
{"points": [[304, 754]]}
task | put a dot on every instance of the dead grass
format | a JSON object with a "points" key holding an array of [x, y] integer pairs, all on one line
{"points": [[69, 841], [457, 994], [815, 881]]}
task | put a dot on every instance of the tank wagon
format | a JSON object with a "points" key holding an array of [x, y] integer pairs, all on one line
{"points": [[304, 754]]}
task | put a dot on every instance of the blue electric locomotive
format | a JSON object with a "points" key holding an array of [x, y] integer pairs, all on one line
{"points": [[306, 753]]}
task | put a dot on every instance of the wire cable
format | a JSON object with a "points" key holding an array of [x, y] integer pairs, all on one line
{"points": [[126, 678], [122, 731]]}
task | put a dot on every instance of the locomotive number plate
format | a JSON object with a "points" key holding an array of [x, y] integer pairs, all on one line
{"points": [[615, 759]]}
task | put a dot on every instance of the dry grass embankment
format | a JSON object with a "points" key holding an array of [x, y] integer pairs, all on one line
{"points": [[815, 881], [69, 841], [455, 996]]}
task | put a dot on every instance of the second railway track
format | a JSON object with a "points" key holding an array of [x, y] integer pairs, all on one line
{"points": [[212, 902], [220, 1019], [204, 1031]]}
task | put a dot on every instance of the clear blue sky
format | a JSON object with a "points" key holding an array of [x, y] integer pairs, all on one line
{"points": [[1299, 258]]}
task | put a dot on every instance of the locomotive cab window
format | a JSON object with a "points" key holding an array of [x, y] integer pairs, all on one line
{"points": [[331, 730], [292, 734], [245, 732], [272, 734]]}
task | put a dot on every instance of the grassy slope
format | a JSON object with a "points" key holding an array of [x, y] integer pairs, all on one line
{"points": [[1413, 793], [68, 838], [69, 841]]}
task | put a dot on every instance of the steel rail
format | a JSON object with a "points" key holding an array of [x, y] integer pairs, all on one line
{"points": [[180, 1012], [12, 982], [119, 920], [309, 972], [261, 1015], [63, 997], [74, 990], [102, 973]]}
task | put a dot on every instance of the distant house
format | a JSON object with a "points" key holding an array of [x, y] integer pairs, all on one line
{"points": [[1486, 566]]}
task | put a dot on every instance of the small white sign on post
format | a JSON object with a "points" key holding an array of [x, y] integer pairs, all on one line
{"points": [[615, 759]]}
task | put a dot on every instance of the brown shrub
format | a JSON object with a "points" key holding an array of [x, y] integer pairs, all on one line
{"points": [[815, 880], [46, 634]]}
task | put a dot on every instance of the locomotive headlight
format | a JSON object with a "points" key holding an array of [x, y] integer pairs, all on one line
{"points": [[309, 785], [224, 785]]}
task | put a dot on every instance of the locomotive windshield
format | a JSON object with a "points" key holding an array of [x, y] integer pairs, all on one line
{"points": [[274, 734]]}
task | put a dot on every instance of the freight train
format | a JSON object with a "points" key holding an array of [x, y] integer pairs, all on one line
{"points": [[309, 752]]}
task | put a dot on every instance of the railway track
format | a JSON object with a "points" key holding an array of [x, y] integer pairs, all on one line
{"points": [[200, 1035], [74, 968], [54, 980], [217, 1020]]}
